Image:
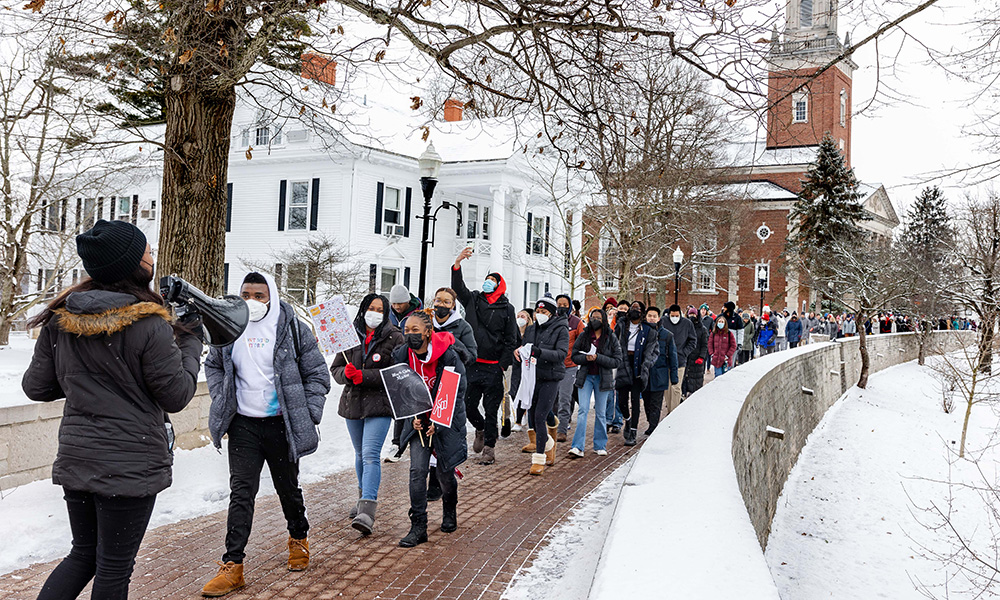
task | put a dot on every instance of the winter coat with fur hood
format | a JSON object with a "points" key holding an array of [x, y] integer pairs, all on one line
{"points": [[369, 398], [120, 368], [301, 379]]}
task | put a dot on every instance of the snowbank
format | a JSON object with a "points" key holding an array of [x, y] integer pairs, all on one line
{"points": [[14, 360], [35, 514], [848, 521]]}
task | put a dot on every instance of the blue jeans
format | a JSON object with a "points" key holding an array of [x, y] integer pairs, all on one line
{"points": [[368, 435], [612, 415], [592, 385], [721, 370]]}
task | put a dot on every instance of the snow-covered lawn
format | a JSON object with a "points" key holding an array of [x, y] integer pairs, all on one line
{"points": [[14, 360], [35, 514], [849, 521], [565, 567]]}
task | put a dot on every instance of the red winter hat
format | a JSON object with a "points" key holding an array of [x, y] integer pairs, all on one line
{"points": [[766, 316]]}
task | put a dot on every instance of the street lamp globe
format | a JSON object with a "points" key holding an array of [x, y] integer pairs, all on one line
{"points": [[678, 257], [430, 162]]}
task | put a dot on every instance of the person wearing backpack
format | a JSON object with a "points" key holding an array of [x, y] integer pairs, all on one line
{"points": [[767, 335]]}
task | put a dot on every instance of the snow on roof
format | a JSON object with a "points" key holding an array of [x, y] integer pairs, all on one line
{"points": [[759, 190], [757, 154]]}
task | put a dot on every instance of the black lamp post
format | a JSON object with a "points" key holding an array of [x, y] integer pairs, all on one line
{"points": [[678, 260], [762, 284], [430, 165]]}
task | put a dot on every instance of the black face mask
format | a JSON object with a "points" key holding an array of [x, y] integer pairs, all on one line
{"points": [[633, 314], [562, 311], [442, 312], [415, 340], [595, 324]]}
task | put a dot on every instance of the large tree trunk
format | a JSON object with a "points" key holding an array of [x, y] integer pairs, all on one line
{"points": [[986, 333], [193, 220], [859, 317]]}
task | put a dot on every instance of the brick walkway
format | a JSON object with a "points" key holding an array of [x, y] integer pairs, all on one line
{"points": [[504, 514]]}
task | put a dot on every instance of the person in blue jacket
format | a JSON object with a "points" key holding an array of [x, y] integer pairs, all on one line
{"points": [[793, 331], [664, 372]]}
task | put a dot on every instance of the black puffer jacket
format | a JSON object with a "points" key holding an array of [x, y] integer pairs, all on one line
{"points": [[368, 399], [647, 349], [552, 340], [609, 356], [494, 324], [695, 373], [118, 365]]}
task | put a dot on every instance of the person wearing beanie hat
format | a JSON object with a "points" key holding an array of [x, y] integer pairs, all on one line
{"points": [[110, 348], [494, 325]]}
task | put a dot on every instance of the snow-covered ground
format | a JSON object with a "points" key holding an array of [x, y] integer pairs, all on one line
{"points": [[14, 360], [850, 522], [565, 566], [35, 514]]}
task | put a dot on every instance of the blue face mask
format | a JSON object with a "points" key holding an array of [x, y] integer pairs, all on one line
{"points": [[489, 286]]}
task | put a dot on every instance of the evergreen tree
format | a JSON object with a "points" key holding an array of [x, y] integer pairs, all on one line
{"points": [[928, 233], [828, 209]]}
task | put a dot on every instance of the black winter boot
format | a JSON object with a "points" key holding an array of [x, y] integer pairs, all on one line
{"points": [[418, 531], [629, 435], [449, 521], [434, 486]]}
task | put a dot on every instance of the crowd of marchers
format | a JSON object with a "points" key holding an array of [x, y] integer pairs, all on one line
{"points": [[122, 361]]}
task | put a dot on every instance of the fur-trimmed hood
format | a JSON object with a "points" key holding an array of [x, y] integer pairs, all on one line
{"points": [[104, 313]]}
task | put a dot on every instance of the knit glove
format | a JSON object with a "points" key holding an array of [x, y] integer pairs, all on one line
{"points": [[699, 361], [353, 373]]}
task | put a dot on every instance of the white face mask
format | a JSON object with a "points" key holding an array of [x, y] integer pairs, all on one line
{"points": [[373, 319], [521, 321], [720, 324], [675, 320], [257, 309], [542, 319]]}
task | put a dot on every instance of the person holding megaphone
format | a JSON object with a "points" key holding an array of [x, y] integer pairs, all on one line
{"points": [[268, 390], [110, 347]]}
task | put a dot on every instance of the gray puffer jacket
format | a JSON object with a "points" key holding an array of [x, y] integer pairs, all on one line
{"points": [[302, 385]]}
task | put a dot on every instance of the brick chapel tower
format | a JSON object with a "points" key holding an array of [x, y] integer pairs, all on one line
{"points": [[802, 105]]}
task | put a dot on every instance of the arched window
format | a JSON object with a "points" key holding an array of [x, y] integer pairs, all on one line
{"points": [[608, 260], [800, 106]]}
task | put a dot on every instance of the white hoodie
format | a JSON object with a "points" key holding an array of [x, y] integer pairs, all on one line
{"points": [[253, 362]]}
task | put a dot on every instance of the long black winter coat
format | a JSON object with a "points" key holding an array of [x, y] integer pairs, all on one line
{"points": [[694, 374], [120, 368], [368, 399], [609, 357], [647, 349], [450, 445], [495, 325], [552, 340], [302, 385]]}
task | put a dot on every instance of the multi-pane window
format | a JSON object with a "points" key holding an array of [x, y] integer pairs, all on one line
{"points": [[843, 108], [299, 285], [538, 236], [472, 223], [298, 210], [607, 261], [124, 208], [392, 211], [534, 291], [486, 223], [800, 103], [704, 278], [89, 213], [389, 278]]}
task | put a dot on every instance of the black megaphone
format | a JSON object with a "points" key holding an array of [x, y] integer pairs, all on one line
{"points": [[224, 319]]}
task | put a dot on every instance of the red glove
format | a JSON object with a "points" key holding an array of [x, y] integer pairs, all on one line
{"points": [[353, 373], [699, 361]]}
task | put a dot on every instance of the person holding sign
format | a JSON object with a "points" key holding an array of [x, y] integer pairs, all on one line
{"points": [[549, 340], [364, 404], [428, 354]]}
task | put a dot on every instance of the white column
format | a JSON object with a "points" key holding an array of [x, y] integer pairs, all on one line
{"points": [[498, 223]]}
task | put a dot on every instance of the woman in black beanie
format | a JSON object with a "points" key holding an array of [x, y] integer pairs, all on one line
{"points": [[108, 345]]}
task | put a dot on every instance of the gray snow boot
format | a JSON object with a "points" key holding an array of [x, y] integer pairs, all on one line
{"points": [[354, 509], [365, 520]]}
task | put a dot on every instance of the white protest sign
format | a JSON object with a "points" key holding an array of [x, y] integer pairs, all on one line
{"points": [[334, 328]]}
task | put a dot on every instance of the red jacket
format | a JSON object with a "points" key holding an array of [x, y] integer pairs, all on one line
{"points": [[722, 348]]}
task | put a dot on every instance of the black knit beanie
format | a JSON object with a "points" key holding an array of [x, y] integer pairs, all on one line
{"points": [[111, 250]]}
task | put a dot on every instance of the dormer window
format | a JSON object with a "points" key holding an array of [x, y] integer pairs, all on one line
{"points": [[800, 107]]}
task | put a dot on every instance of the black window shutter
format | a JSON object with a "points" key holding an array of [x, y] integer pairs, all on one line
{"points": [[372, 273], [43, 215], [41, 277], [135, 208], [406, 277], [406, 215], [314, 211], [79, 215], [547, 225], [62, 216], [112, 209], [527, 247], [225, 277], [525, 291], [281, 204], [379, 194], [229, 207]]}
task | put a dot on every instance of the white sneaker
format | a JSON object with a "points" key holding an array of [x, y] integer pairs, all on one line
{"points": [[393, 456], [517, 427], [576, 453], [602, 452]]}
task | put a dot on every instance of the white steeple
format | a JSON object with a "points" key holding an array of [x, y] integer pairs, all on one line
{"points": [[810, 37], [810, 19]]}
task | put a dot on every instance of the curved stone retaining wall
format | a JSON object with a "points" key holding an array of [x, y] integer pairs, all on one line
{"points": [[695, 510]]}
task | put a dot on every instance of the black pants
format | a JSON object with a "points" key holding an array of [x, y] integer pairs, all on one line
{"points": [[107, 532], [793, 344], [653, 405], [397, 432], [629, 400], [745, 356], [540, 414], [485, 382], [252, 442], [420, 460]]}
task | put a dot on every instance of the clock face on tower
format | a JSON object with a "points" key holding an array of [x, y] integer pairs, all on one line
{"points": [[763, 232]]}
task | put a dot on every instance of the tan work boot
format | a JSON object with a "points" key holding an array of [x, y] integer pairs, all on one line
{"points": [[537, 464], [529, 448], [229, 579], [298, 554]]}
